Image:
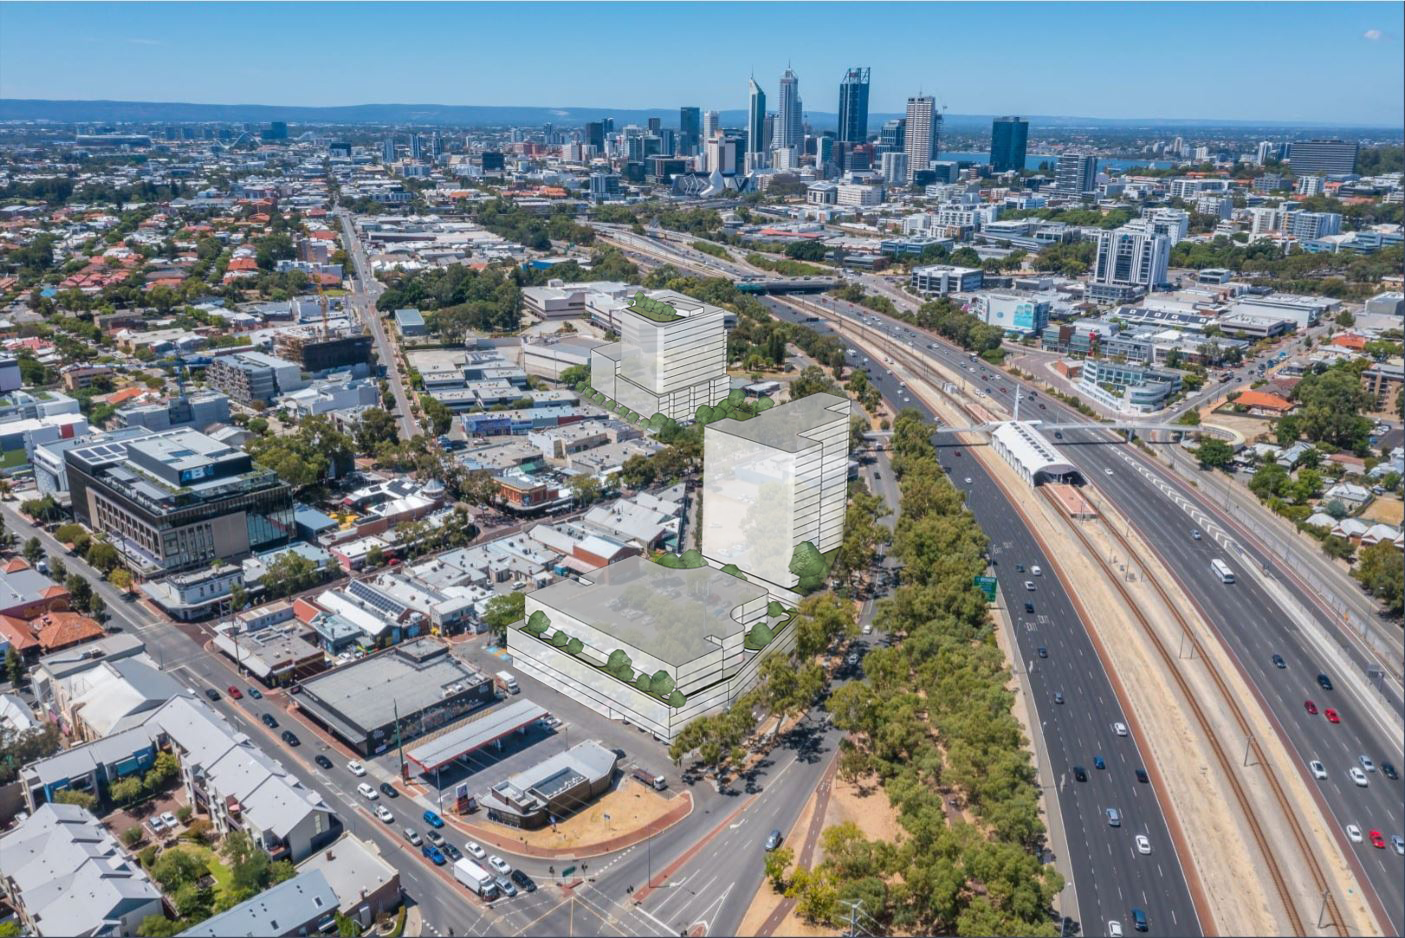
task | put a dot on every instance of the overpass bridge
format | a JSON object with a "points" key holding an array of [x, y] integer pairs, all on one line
{"points": [[1131, 428], [786, 284]]}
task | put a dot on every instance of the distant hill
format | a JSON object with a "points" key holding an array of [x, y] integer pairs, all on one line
{"points": [[142, 112]]}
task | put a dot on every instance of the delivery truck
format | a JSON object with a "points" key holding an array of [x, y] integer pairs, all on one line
{"points": [[656, 782], [505, 683], [476, 878]]}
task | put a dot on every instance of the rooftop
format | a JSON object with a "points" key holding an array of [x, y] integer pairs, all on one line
{"points": [[786, 427]]}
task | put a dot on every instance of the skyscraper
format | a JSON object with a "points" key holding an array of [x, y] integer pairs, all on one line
{"points": [[1076, 174], [853, 106], [1129, 259], [893, 136], [789, 131], [920, 145], [689, 130], [416, 147], [654, 124], [1009, 137], [388, 150], [1323, 156], [711, 123], [756, 125], [595, 136]]}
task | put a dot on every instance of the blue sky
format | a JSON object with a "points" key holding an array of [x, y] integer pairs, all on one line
{"points": [[1329, 62]]}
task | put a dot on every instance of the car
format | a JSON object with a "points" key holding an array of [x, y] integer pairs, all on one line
{"points": [[1358, 776], [1279, 663], [367, 792], [852, 658], [1388, 770], [1377, 840], [472, 848], [968, 478], [1107, 471], [866, 630], [432, 819], [1366, 763], [356, 768], [388, 790], [322, 761], [269, 720], [1139, 919], [451, 851], [1142, 776], [1194, 534], [1114, 929], [384, 814], [773, 839], [254, 693], [413, 836], [1324, 682], [1029, 585], [1319, 771], [1143, 844], [211, 693], [1114, 817], [1080, 774], [1058, 697], [1036, 571], [1119, 728], [499, 864], [1043, 652], [1099, 763], [1019, 568], [434, 837], [1397, 843], [235, 692], [1029, 608], [1353, 833], [434, 854], [291, 738], [1310, 707], [505, 886], [156, 824], [523, 881]]}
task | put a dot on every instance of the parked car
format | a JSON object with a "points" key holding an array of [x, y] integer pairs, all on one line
{"points": [[156, 824], [169, 819]]}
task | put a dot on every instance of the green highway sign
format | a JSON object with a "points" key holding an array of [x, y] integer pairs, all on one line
{"points": [[986, 584]]}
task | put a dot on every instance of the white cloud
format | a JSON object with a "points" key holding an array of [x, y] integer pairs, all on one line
{"points": [[1373, 35]]}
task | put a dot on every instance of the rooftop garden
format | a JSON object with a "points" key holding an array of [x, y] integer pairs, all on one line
{"points": [[655, 310]]}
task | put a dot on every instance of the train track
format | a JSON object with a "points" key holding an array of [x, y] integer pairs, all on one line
{"points": [[1270, 858]]}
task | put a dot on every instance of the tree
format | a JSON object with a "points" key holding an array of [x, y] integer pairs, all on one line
{"points": [[82, 799], [586, 488], [777, 862], [439, 416], [807, 563], [33, 551], [1380, 572], [503, 610], [1213, 453], [121, 578], [80, 592], [176, 867], [14, 668], [124, 791], [812, 380], [376, 426], [19, 748], [158, 926]]}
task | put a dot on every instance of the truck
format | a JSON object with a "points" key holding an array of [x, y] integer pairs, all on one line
{"points": [[475, 878], [505, 682], [656, 782]]}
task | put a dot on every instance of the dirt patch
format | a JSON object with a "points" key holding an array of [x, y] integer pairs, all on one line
{"points": [[630, 806], [1386, 510], [867, 806]]}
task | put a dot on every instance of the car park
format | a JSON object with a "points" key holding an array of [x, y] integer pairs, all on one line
{"points": [[1358, 777], [367, 792], [269, 720], [1319, 771], [1143, 844], [384, 814], [499, 864], [1353, 833], [322, 760]]}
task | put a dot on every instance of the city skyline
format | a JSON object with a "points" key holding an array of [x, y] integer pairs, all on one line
{"points": [[132, 52]]}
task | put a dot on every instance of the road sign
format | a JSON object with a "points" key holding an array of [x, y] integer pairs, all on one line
{"points": [[568, 871], [986, 584]]}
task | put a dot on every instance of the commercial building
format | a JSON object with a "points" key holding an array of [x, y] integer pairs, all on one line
{"points": [[367, 887], [894, 167], [1330, 157], [1309, 226], [408, 691], [757, 139], [685, 630], [921, 133], [1130, 260], [1009, 137], [1076, 174], [250, 377], [941, 279], [790, 132], [689, 130], [1301, 311], [178, 499], [774, 482], [1016, 313], [65, 875], [554, 788], [1127, 387], [198, 411], [671, 357], [853, 106]]}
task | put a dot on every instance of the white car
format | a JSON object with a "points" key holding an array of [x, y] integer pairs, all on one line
{"points": [[968, 480], [1029, 585], [472, 849], [1358, 776], [867, 628], [499, 864], [367, 792], [169, 819], [1319, 771], [384, 814], [1365, 761], [1119, 728], [1107, 472], [1036, 571], [1114, 929], [1353, 833], [1143, 845], [356, 768]]}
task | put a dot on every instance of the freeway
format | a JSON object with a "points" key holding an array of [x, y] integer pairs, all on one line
{"points": [[1165, 512], [362, 303], [1109, 876]]}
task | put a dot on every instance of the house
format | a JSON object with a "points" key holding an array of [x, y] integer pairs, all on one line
{"points": [[1349, 494], [47, 632], [303, 905], [26, 593], [1264, 404]]}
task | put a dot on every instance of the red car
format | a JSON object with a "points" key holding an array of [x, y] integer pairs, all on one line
{"points": [[235, 692], [1310, 707], [1331, 715], [1377, 840]]}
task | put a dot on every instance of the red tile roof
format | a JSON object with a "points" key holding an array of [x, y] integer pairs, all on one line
{"points": [[61, 629]]}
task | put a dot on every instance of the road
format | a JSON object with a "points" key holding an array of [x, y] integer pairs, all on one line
{"points": [[1147, 495], [362, 303], [1109, 877]]}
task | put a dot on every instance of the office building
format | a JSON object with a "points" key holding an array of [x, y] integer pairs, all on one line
{"points": [[894, 168], [416, 147], [197, 411], [1130, 260], [595, 137], [790, 132], [920, 131], [1009, 138], [853, 106], [756, 135], [178, 499], [250, 377], [689, 130], [775, 482], [893, 135], [388, 150], [711, 124], [1329, 157], [1309, 226], [1076, 174], [1016, 313], [1174, 223], [1265, 150], [671, 357], [941, 279]]}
